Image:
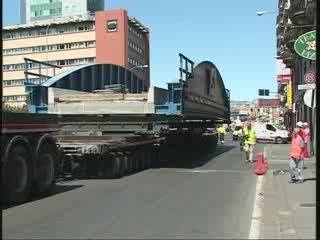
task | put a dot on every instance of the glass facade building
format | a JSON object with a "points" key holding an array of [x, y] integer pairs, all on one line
{"points": [[37, 10]]}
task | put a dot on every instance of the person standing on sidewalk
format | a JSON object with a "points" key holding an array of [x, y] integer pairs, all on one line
{"points": [[306, 132], [296, 155], [249, 141]]}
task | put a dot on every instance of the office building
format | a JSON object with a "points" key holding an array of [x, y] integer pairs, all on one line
{"points": [[110, 37], [38, 10]]}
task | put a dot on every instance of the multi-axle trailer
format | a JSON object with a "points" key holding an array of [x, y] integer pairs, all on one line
{"points": [[38, 148]]}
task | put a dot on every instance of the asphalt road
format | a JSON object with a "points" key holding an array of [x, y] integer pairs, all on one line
{"points": [[194, 195]]}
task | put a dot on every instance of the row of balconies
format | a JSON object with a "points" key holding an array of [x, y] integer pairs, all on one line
{"points": [[287, 32], [298, 12]]}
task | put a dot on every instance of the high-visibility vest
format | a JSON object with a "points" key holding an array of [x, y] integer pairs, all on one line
{"points": [[221, 130], [295, 147], [249, 136]]}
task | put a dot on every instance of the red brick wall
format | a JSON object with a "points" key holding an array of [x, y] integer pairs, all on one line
{"points": [[112, 47]]}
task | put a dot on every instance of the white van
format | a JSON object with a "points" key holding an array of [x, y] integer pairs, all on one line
{"points": [[271, 132]]}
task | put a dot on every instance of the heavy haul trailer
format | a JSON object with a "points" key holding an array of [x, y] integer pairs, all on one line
{"points": [[108, 145], [28, 155], [114, 145], [111, 145]]}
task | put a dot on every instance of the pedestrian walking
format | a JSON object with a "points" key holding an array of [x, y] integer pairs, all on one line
{"points": [[296, 157], [250, 141], [306, 132]]}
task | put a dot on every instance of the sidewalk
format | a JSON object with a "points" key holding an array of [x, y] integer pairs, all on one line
{"points": [[289, 209]]}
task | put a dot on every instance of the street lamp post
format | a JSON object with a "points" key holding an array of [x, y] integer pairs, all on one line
{"points": [[260, 13], [47, 47], [142, 66]]}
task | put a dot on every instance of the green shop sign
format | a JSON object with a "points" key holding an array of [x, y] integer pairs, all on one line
{"points": [[305, 45]]}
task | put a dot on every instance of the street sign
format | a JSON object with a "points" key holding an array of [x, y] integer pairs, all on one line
{"points": [[310, 77], [305, 45], [310, 98], [307, 86]]}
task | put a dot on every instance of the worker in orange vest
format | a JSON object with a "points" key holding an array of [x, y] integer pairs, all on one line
{"points": [[301, 132], [296, 154]]}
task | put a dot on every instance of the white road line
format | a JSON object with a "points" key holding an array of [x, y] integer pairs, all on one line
{"points": [[209, 171], [256, 218]]}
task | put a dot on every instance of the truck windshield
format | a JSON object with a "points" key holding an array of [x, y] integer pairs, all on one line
{"points": [[243, 118]]}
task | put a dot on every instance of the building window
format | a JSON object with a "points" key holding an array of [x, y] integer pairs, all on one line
{"points": [[112, 26]]}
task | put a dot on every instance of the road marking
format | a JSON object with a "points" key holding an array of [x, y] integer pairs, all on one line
{"points": [[209, 171], [254, 232]]}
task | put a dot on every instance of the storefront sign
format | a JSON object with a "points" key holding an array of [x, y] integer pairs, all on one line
{"points": [[283, 78], [310, 77], [305, 45], [289, 95], [307, 86], [283, 73]]}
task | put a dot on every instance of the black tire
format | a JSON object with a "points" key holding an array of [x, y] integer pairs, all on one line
{"points": [[16, 176], [130, 163], [118, 166], [126, 165], [123, 164], [138, 160], [45, 169], [114, 168], [279, 140]]}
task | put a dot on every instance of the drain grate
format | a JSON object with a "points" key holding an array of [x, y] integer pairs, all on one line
{"points": [[307, 205]]}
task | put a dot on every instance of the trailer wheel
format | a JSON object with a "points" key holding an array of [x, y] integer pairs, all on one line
{"points": [[46, 167], [121, 163], [125, 164], [16, 176], [149, 159], [136, 161], [130, 163], [118, 166], [115, 166]]}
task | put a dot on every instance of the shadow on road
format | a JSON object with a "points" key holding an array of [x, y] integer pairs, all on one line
{"points": [[310, 179], [58, 189], [175, 157]]}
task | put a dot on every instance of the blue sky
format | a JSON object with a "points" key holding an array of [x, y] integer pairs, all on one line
{"points": [[227, 33]]}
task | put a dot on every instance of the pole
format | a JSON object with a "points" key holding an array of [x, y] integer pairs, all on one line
{"points": [[47, 47]]}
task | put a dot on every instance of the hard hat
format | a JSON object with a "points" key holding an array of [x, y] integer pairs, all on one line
{"points": [[299, 124]]}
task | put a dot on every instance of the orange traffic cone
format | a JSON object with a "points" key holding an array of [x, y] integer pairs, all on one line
{"points": [[261, 166]]}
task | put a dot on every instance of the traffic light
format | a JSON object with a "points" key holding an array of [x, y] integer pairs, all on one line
{"points": [[264, 92], [261, 92]]}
